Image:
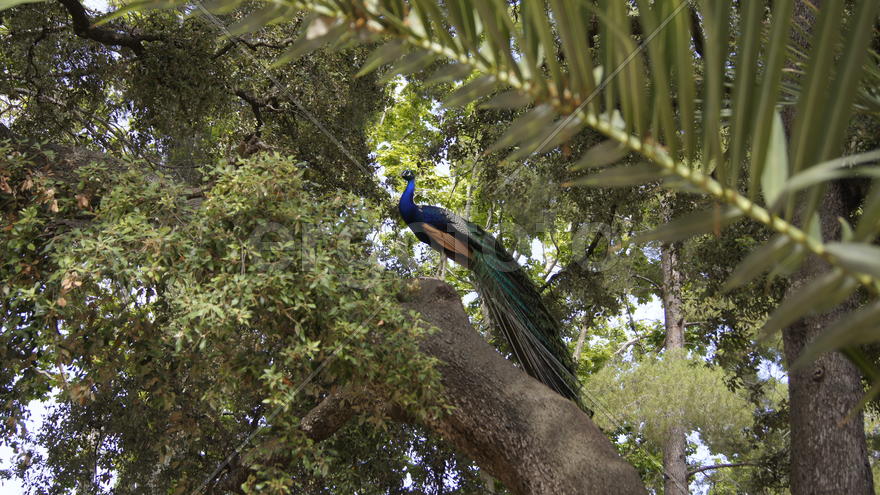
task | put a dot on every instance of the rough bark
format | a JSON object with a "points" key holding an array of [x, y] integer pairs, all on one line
{"points": [[83, 26], [828, 450], [522, 433], [503, 419], [674, 448]]}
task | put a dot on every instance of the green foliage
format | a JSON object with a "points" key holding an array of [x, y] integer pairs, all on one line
{"points": [[659, 393], [183, 322]]}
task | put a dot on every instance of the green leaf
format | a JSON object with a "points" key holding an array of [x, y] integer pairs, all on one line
{"points": [[848, 73], [684, 63], [413, 62], [8, 4], [869, 223], [429, 10], [136, 6], [263, 16], [813, 104], [465, 22], [535, 15], [449, 73], [498, 24], [858, 328], [221, 7], [744, 85], [622, 176], [846, 230], [604, 153], [306, 45], [663, 119], [508, 100], [547, 138], [527, 125], [682, 185], [470, 91], [392, 50], [815, 296], [788, 264], [774, 58], [570, 17], [759, 261], [833, 169], [560, 132], [776, 169], [417, 22], [856, 256], [716, 16], [686, 226]]}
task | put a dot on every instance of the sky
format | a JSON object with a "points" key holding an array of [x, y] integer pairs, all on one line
{"points": [[99, 5]]}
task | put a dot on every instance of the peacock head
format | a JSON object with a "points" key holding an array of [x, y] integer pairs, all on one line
{"points": [[408, 175]]}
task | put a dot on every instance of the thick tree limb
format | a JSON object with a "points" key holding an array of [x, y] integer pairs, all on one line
{"points": [[331, 414], [83, 27], [254, 104], [518, 430], [521, 432], [341, 405], [626, 345]]}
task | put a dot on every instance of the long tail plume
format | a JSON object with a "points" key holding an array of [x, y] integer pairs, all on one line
{"points": [[534, 336]]}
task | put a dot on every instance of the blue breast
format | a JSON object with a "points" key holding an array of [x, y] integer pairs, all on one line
{"points": [[408, 209]]}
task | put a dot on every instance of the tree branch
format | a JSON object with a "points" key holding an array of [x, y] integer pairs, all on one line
{"points": [[692, 472], [331, 414], [508, 422], [256, 106], [84, 28], [652, 282], [253, 45], [696, 32], [626, 345]]}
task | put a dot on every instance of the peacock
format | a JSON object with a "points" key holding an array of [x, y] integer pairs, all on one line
{"points": [[514, 304]]}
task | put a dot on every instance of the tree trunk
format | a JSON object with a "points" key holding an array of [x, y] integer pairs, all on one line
{"points": [[582, 337], [674, 449], [828, 452], [530, 438]]}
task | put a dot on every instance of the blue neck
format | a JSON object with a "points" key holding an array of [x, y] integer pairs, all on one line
{"points": [[408, 209]]}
